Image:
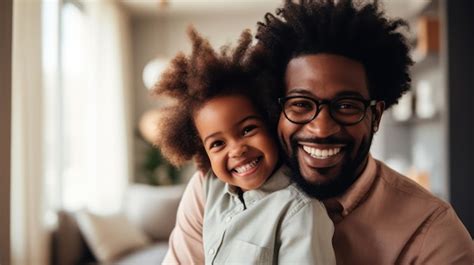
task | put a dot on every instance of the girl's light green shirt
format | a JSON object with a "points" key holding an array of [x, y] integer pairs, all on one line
{"points": [[279, 224]]}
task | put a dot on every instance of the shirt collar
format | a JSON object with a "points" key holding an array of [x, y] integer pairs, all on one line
{"points": [[277, 181], [348, 201]]}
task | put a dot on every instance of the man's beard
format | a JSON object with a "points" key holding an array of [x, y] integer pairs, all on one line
{"points": [[340, 183]]}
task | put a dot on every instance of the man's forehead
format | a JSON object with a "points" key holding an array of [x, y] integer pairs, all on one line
{"points": [[308, 92], [325, 76]]}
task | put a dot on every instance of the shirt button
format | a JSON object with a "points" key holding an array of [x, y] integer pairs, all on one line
{"points": [[227, 219], [211, 251]]}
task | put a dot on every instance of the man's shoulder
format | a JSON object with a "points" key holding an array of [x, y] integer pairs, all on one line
{"points": [[435, 233], [395, 199], [402, 187]]}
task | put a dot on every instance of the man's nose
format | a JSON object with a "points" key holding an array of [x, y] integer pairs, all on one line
{"points": [[323, 125], [238, 149]]}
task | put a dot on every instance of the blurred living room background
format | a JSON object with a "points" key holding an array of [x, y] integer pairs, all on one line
{"points": [[86, 183]]}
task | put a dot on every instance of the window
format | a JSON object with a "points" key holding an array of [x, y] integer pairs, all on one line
{"points": [[86, 144]]}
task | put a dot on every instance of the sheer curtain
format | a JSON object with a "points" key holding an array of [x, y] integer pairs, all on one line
{"points": [[71, 137], [109, 159], [96, 93]]}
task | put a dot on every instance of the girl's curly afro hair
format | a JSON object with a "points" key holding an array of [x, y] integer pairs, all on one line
{"points": [[204, 74], [354, 30]]}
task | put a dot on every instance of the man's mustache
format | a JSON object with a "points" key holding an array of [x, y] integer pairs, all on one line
{"points": [[317, 140]]}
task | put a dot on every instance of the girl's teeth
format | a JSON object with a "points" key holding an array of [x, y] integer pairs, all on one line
{"points": [[321, 153], [246, 167]]}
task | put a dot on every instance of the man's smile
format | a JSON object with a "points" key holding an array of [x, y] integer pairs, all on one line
{"points": [[321, 156], [321, 153]]}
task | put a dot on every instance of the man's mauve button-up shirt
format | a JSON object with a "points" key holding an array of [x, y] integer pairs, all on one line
{"points": [[383, 218]]}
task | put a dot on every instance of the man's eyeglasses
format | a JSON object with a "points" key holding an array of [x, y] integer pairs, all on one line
{"points": [[344, 110]]}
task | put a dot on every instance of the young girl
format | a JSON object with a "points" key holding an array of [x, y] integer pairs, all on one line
{"points": [[252, 213]]}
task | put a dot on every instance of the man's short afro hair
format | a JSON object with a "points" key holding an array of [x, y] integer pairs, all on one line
{"points": [[359, 31]]}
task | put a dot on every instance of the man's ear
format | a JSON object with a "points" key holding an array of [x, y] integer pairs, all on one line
{"points": [[378, 110]]}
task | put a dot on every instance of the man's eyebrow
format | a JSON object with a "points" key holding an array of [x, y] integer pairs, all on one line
{"points": [[350, 94], [301, 91], [306, 92], [250, 117]]}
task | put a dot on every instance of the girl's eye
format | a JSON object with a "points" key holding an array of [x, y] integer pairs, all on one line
{"points": [[248, 129], [216, 144]]}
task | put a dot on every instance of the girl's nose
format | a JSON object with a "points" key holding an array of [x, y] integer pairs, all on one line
{"points": [[238, 150]]}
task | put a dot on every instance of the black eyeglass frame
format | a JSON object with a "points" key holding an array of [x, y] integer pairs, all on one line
{"points": [[321, 102]]}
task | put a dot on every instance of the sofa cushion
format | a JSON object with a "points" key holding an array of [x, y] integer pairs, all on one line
{"points": [[110, 236], [153, 208], [153, 254]]}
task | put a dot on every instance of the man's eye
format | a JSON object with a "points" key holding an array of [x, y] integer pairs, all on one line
{"points": [[345, 106], [302, 104], [248, 129], [349, 107], [299, 106], [216, 144]]}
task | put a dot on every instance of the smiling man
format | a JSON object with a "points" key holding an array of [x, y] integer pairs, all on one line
{"points": [[328, 122], [339, 66]]}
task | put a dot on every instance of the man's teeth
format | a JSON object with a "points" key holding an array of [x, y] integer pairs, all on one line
{"points": [[321, 153], [246, 167]]}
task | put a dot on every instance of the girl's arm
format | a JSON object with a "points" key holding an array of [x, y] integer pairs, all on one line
{"points": [[185, 243]]}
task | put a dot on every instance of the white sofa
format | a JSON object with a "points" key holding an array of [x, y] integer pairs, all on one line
{"points": [[147, 210]]}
